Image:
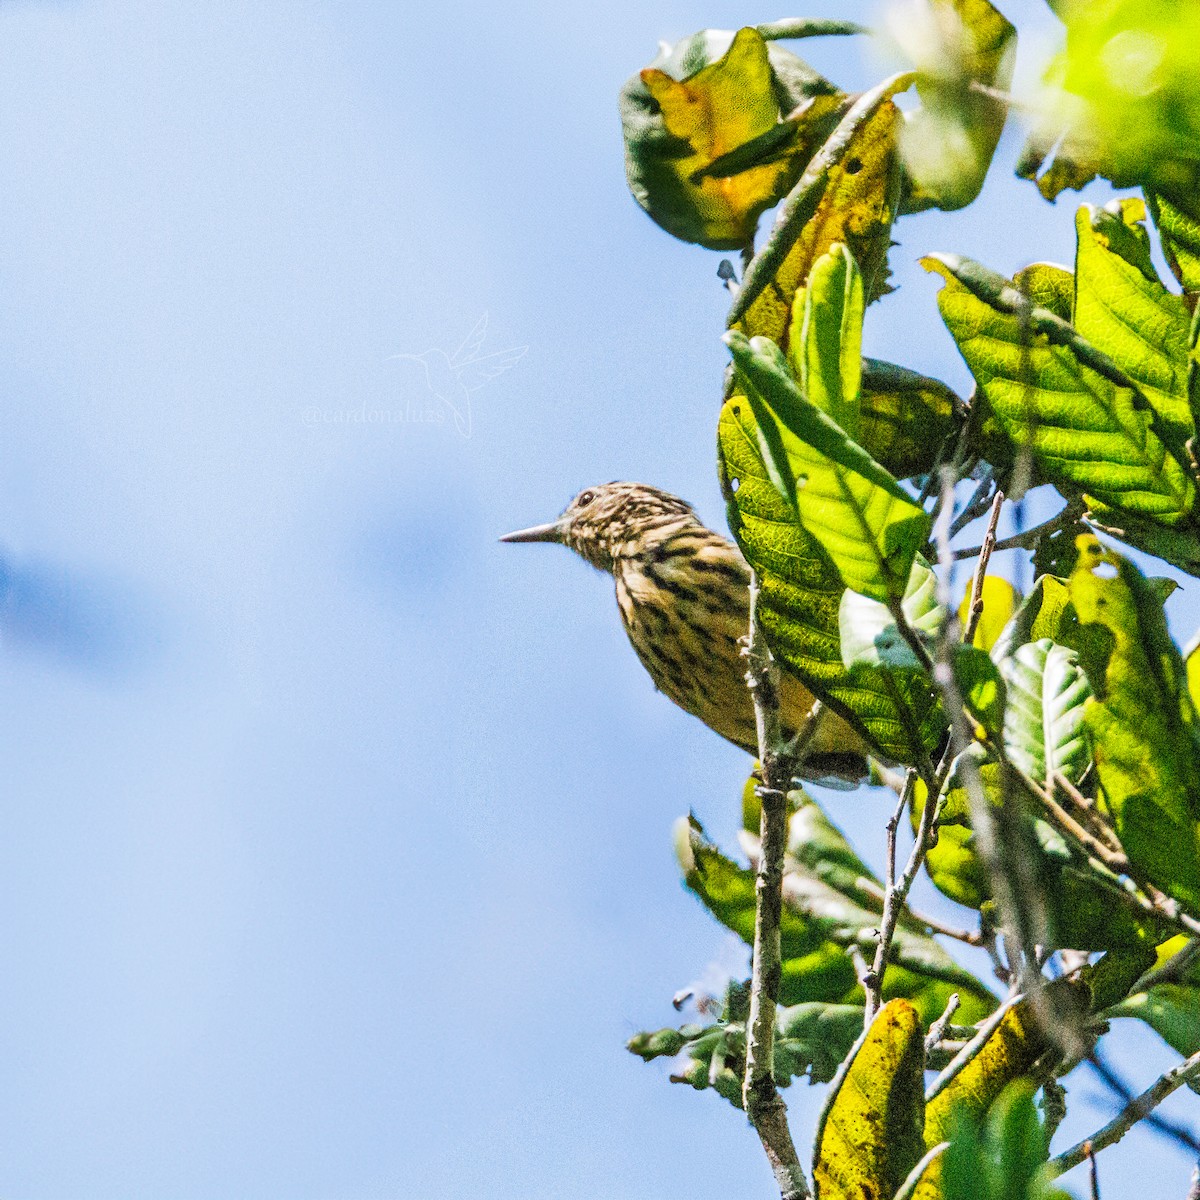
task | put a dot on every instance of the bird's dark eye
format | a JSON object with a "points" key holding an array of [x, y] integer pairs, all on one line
{"points": [[585, 498]]}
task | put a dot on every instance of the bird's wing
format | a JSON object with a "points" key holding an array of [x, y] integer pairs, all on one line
{"points": [[471, 343], [477, 372]]}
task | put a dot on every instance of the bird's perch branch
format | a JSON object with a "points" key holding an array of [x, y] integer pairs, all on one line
{"points": [[1138, 1108], [760, 1096]]}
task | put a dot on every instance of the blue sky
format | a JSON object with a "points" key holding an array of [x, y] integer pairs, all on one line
{"points": [[336, 855]]}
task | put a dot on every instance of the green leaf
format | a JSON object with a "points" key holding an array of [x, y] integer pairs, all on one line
{"points": [[800, 599], [697, 102], [869, 1135], [1081, 903], [1121, 305], [1002, 1159], [831, 901], [981, 686], [1178, 224], [846, 194], [1172, 1010], [1142, 722], [867, 523], [831, 337], [1087, 424], [869, 633], [948, 142], [1126, 87], [1048, 286], [815, 968], [904, 417], [811, 1040], [1044, 727]]}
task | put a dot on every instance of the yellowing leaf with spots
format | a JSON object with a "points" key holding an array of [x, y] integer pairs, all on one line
{"points": [[870, 1133], [1004, 1056], [847, 194], [698, 103]]}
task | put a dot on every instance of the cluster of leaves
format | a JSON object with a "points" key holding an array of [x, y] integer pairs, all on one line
{"points": [[1060, 745]]}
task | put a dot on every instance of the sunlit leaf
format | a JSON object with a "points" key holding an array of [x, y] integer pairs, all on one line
{"points": [[1178, 223], [870, 1133], [1006, 1055], [867, 523], [800, 600], [1142, 722], [949, 141], [700, 100], [1089, 428], [846, 194], [1000, 601]]}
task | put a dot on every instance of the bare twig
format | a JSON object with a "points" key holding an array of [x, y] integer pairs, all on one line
{"points": [[760, 1096], [979, 503], [897, 890], [1130, 1115], [1093, 1173], [1028, 538], [985, 553], [1154, 1121], [972, 937], [938, 1029]]}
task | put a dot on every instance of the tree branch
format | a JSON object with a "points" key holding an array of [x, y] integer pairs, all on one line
{"points": [[1141, 1106], [760, 1097], [985, 553]]}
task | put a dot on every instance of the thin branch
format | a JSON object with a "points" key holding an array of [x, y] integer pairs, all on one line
{"points": [[985, 553], [1030, 537], [760, 1096], [1153, 1121], [1093, 1173], [971, 937], [938, 1029], [897, 890], [1138, 1108]]}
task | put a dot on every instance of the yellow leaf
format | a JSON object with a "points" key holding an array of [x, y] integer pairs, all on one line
{"points": [[869, 1137], [711, 113], [847, 194], [1000, 601]]}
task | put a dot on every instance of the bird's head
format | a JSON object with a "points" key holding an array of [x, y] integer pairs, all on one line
{"points": [[612, 521]]}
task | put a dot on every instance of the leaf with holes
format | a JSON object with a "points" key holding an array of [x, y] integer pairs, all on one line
{"points": [[699, 101], [846, 194], [800, 600]]}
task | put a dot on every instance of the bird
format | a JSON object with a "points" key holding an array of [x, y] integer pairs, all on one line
{"points": [[683, 592], [452, 378]]}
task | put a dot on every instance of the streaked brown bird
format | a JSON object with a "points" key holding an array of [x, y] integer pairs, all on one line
{"points": [[684, 596]]}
